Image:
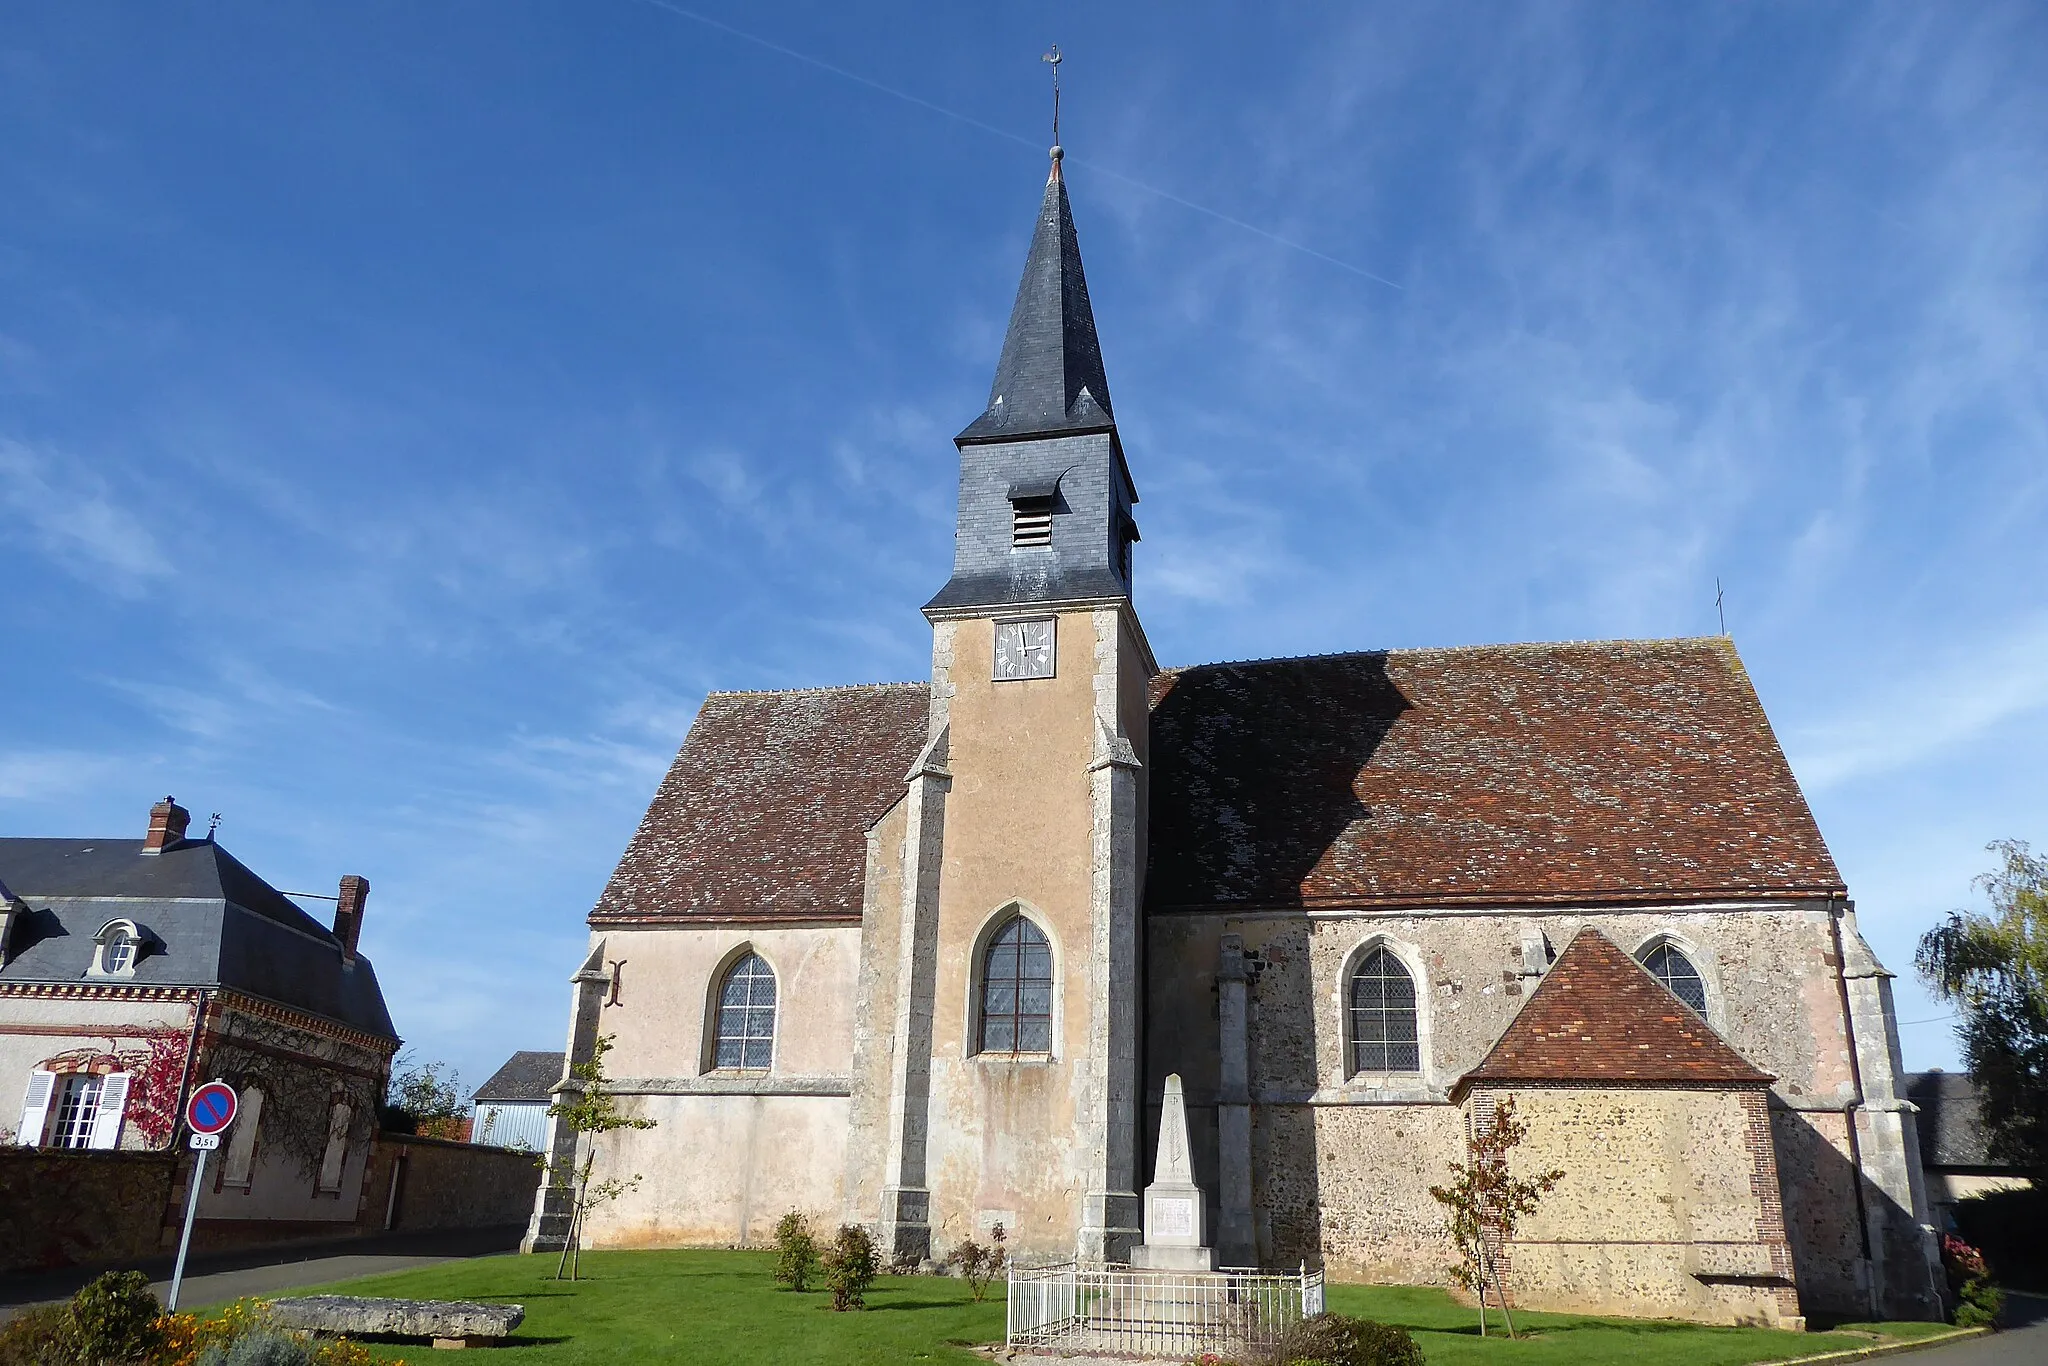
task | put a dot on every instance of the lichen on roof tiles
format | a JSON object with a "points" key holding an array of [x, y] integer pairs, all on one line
{"points": [[765, 810], [1598, 770]]}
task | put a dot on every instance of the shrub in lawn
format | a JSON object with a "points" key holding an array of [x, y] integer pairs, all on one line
{"points": [[1340, 1340], [345, 1352], [115, 1319], [1969, 1282], [850, 1267], [259, 1347], [980, 1264], [40, 1337], [796, 1252]]}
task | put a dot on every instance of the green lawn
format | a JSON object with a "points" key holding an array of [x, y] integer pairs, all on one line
{"points": [[723, 1309]]}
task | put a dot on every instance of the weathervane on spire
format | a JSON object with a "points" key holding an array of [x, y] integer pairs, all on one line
{"points": [[1054, 59]]}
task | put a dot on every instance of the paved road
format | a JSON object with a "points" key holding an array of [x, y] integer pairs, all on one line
{"points": [[220, 1278], [2023, 1343]]}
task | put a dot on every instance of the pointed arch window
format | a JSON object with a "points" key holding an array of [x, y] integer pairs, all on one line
{"points": [[1384, 1029], [1016, 990], [1671, 967], [746, 1016]]}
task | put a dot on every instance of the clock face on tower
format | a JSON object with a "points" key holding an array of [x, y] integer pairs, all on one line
{"points": [[1024, 649]]}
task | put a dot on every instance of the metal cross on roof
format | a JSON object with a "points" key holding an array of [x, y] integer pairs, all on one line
{"points": [[1053, 57]]}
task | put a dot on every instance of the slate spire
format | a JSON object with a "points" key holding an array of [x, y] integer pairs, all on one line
{"points": [[1045, 496], [1049, 381]]}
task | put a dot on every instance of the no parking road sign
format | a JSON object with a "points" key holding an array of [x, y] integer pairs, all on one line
{"points": [[211, 1109]]}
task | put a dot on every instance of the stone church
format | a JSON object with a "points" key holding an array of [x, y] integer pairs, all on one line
{"points": [[922, 955]]}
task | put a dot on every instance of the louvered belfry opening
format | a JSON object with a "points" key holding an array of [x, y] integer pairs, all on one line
{"points": [[1030, 522]]}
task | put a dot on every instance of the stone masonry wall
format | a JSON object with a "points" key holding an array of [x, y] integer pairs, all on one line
{"points": [[1343, 1162], [446, 1185], [82, 1208], [1668, 1206]]}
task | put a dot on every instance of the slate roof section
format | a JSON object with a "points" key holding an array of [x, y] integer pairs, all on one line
{"points": [[1951, 1126], [526, 1076], [1598, 1017], [210, 922], [1619, 771], [764, 813], [1049, 380]]}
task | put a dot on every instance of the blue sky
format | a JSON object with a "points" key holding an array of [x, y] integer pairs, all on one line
{"points": [[408, 412]]}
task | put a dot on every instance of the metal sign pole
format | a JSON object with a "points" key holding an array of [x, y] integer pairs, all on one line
{"points": [[185, 1238]]}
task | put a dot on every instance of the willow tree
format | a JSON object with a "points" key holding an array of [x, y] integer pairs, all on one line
{"points": [[1994, 967]]}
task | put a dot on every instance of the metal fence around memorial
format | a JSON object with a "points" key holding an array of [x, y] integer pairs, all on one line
{"points": [[1075, 1307]]}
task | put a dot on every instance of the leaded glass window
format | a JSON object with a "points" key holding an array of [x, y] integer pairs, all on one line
{"points": [[746, 1015], [1016, 991], [1677, 973], [1383, 1027]]}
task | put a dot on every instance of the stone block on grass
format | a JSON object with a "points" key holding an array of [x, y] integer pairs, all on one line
{"points": [[447, 1323]]}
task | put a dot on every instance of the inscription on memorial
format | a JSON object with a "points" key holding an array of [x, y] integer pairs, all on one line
{"points": [[1173, 1218]]}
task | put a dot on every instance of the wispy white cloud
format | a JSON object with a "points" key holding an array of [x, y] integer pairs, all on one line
{"points": [[41, 775], [70, 514], [243, 698], [1928, 713]]}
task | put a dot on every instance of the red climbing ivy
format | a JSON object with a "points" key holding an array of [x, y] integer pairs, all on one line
{"points": [[154, 1058]]}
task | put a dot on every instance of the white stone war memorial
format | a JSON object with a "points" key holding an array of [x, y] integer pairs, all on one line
{"points": [[922, 956]]}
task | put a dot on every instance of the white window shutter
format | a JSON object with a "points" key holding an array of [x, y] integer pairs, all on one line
{"points": [[35, 1110], [106, 1125]]}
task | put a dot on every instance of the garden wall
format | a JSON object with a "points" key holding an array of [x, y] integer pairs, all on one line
{"points": [[89, 1208], [71, 1208], [441, 1184]]}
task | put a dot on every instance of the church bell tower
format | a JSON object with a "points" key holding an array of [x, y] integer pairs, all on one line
{"points": [[1015, 1061]]}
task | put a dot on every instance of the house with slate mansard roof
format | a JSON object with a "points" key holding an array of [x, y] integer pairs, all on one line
{"points": [[921, 955], [131, 970]]}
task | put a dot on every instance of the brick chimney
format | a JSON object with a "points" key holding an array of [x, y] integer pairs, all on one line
{"points": [[167, 822], [348, 912]]}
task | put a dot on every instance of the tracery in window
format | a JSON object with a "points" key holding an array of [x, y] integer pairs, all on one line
{"points": [[1016, 990], [746, 1016], [1384, 1033], [1680, 977]]}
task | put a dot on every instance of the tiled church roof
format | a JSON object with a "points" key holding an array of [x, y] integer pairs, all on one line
{"points": [[1609, 771], [1599, 1017], [1615, 771], [765, 811]]}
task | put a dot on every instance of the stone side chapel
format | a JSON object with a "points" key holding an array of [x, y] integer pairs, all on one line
{"points": [[923, 955]]}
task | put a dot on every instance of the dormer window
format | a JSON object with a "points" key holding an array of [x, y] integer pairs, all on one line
{"points": [[119, 956], [115, 949]]}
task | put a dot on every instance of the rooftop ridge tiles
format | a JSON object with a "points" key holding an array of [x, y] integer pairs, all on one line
{"points": [[1517, 646], [818, 688]]}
